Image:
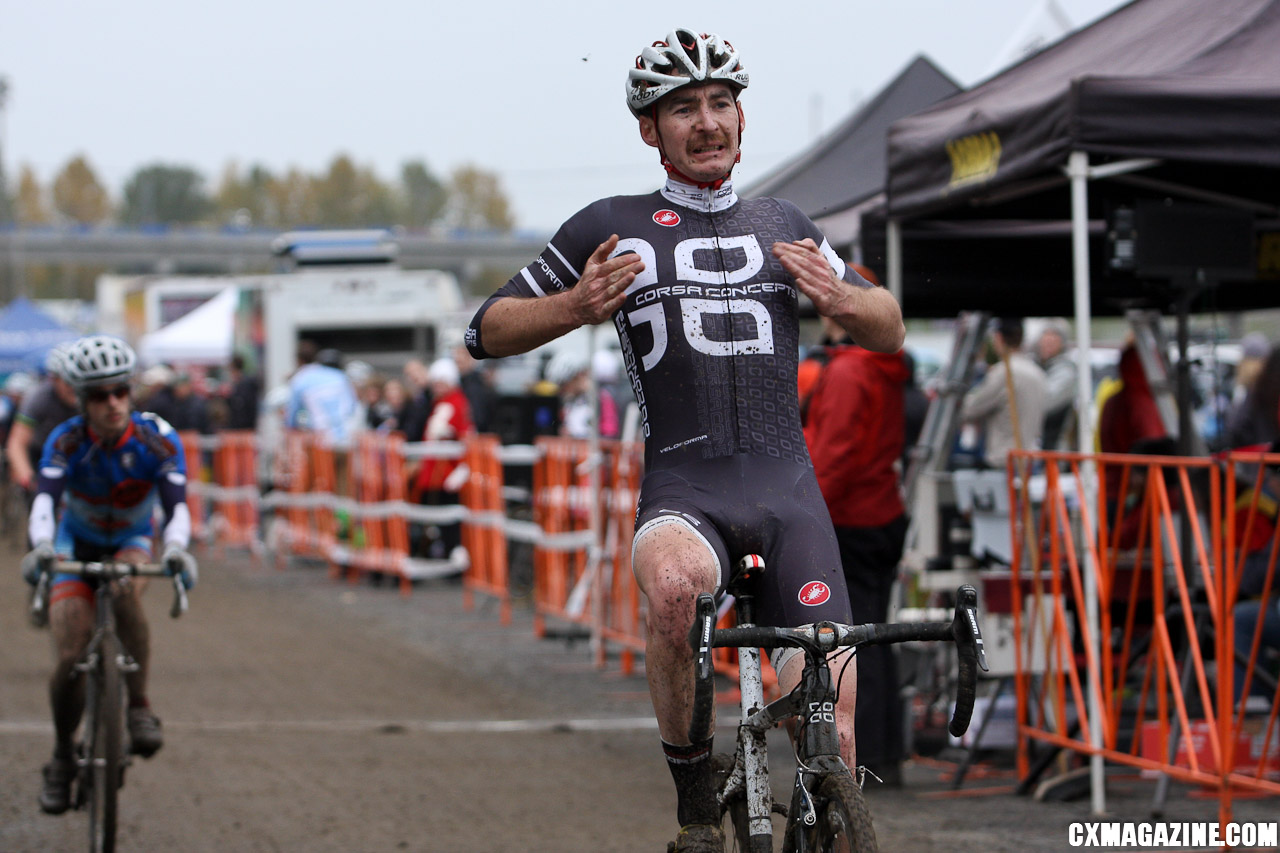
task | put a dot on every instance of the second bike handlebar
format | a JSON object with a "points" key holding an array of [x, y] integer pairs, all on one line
{"points": [[106, 570], [826, 637]]}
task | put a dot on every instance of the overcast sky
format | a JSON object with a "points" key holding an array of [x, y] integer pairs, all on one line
{"points": [[531, 91]]}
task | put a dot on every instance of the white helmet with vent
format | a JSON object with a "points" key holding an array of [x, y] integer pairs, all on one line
{"points": [[684, 57], [99, 360]]}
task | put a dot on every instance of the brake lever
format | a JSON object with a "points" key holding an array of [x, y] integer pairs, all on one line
{"points": [[179, 597]]}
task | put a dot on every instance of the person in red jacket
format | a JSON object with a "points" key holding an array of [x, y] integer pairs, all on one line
{"points": [[1129, 422], [439, 481], [855, 428]]}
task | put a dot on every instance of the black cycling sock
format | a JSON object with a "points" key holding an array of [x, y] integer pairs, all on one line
{"points": [[695, 791]]}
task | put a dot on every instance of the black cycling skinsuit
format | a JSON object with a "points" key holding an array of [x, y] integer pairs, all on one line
{"points": [[710, 338]]}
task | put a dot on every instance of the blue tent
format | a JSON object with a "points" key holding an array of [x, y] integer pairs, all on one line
{"points": [[26, 335]]}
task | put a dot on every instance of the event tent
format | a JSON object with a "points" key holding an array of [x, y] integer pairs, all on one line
{"points": [[26, 335], [1161, 98], [201, 336]]}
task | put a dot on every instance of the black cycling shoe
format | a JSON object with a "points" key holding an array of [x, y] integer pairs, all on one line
{"points": [[55, 794], [145, 737]]}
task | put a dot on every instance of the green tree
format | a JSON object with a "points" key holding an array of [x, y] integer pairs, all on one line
{"points": [[78, 195], [476, 200], [423, 193], [172, 195], [30, 207]]}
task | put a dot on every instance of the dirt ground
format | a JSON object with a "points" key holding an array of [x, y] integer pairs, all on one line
{"points": [[303, 713]]}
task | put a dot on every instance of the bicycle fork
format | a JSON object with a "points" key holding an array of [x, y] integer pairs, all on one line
{"points": [[755, 753]]}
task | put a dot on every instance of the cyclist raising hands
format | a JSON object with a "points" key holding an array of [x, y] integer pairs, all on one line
{"points": [[110, 463], [703, 289]]}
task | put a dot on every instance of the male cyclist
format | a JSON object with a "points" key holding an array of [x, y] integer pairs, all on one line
{"points": [[43, 408], [702, 287], [110, 463]]}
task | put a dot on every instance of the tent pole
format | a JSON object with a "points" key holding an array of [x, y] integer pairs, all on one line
{"points": [[1078, 172], [893, 257]]}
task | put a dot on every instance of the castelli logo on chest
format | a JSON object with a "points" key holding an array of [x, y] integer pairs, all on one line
{"points": [[667, 218], [814, 593]]}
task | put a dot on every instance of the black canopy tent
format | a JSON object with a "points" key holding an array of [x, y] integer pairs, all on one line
{"points": [[1161, 98]]}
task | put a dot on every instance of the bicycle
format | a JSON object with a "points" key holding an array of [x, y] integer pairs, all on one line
{"points": [[103, 754], [827, 811]]}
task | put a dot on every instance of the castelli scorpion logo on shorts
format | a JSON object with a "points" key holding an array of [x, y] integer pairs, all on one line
{"points": [[814, 593], [667, 218]]}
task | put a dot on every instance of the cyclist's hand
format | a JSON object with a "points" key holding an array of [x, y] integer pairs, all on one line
{"points": [[603, 286], [178, 562], [39, 559]]}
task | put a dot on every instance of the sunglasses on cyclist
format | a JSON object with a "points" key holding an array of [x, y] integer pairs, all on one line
{"points": [[101, 395]]}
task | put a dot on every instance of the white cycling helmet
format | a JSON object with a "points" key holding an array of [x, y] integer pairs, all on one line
{"points": [[18, 384], [99, 360], [684, 57], [55, 360], [565, 365]]}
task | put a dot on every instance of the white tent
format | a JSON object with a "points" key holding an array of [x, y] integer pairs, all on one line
{"points": [[202, 336]]}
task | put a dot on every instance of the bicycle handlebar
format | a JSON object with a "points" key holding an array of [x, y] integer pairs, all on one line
{"points": [[106, 570], [826, 637]]}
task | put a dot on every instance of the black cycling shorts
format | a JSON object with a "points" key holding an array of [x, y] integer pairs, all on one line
{"points": [[750, 504]]}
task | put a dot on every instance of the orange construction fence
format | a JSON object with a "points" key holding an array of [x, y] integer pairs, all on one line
{"points": [[482, 533], [1166, 541], [235, 498], [197, 476]]}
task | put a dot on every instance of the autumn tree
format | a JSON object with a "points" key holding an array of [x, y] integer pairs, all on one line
{"points": [[476, 200], [30, 207], [172, 195], [293, 200], [348, 196], [78, 195]]}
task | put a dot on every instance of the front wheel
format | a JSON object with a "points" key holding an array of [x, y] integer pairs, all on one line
{"points": [[844, 823], [106, 747]]}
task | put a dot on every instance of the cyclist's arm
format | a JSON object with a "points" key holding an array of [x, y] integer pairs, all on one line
{"points": [[15, 449], [177, 516], [171, 486], [42, 524], [524, 314]]}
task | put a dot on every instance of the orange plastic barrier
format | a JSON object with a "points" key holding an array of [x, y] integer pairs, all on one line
{"points": [[618, 620], [560, 508], [482, 534], [1166, 548], [196, 473], [379, 528], [235, 472], [307, 526]]}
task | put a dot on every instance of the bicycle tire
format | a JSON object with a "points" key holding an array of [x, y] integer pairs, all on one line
{"points": [[106, 748], [844, 822]]}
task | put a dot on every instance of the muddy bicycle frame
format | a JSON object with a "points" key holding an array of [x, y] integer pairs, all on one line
{"points": [[812, 703]]}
